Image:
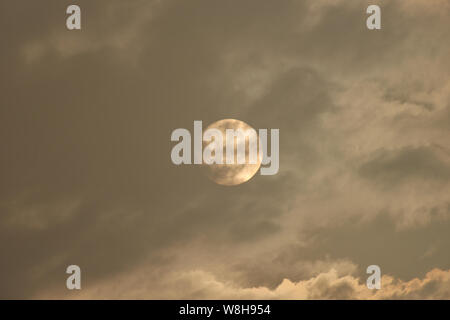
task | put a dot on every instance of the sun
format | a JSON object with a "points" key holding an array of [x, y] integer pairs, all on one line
{"points": [[232, 174]]}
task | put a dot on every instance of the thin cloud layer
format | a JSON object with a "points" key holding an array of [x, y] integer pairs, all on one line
{"points": [[85, 123]]}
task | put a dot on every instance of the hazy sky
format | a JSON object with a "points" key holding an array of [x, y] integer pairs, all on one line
{"points": [[86, 176]]}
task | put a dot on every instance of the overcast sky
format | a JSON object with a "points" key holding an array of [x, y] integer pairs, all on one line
{"points": [[86, 176]]}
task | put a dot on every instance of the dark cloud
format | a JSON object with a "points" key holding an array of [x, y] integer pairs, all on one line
{"points": [[400, 166]]}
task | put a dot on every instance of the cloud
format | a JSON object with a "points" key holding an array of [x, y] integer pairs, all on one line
{"points": [[199, 284], [85, 123], [396, 166], [96, 35]]}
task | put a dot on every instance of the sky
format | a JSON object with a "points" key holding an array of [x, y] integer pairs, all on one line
{"points": [[86, 176]]}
